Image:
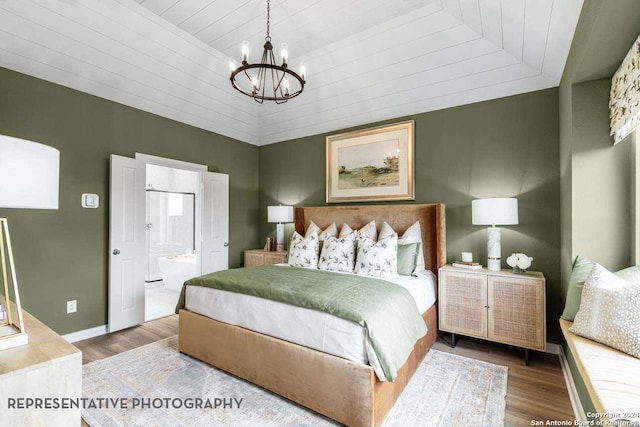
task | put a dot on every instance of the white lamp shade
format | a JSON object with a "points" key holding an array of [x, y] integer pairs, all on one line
{"points": [[496, 211], [29, 174], [280, 213]]}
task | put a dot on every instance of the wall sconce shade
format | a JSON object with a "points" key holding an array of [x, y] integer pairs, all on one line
{"points": [[495, 211], [28, 174], [280, 214]]}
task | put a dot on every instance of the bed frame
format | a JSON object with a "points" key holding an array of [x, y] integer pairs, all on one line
{"points": [[345, 391]]}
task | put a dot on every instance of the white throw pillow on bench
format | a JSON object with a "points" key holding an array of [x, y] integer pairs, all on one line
{"points": [[610, 311]]}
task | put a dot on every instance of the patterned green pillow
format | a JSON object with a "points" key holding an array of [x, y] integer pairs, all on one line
{"points": [[407, 258]]}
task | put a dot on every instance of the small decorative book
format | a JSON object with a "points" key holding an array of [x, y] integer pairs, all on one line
{"points": [[468, 265]]}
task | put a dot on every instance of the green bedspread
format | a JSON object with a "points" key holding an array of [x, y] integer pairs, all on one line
{"points": [[387, 311]]}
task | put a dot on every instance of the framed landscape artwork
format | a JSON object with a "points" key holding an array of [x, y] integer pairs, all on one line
{"points": [[370, 165]]}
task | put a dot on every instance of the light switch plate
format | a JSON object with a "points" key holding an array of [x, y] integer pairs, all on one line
{"points": [[72, 306], [90, 201]]}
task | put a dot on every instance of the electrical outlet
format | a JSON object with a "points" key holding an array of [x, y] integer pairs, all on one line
{"points": [[72, 306]]}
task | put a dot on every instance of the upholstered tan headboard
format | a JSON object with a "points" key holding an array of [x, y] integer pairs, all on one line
{"points": [[400, 217]]}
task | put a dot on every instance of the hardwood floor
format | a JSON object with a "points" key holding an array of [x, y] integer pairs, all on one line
{"points": [[111, 344], [535, 392]]}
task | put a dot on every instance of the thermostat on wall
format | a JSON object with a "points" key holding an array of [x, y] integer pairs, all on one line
{"points": [[90, 201]]}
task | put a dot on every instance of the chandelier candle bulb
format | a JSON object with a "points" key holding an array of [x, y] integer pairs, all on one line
{"points": [[284, 53], [232, 65], [245, 52], [303, 71]]}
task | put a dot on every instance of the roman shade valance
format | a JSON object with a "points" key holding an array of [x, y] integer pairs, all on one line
{"points": [[624, 102]]}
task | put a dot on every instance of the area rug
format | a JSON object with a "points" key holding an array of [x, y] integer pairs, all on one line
{"points": [[155, 385]]}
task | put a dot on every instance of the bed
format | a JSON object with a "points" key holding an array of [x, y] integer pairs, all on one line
{"points": [[344, 390]]}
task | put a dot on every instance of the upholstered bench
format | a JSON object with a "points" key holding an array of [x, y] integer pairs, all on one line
{"points": [[612, 377]]}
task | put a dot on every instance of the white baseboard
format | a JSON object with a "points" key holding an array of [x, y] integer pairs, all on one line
{"points": [[553, 348], [85, 334], [578, 410]]}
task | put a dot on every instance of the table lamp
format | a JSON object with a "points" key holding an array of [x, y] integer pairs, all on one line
{"points": [[280, 214], [29, 174], [495, 211]]}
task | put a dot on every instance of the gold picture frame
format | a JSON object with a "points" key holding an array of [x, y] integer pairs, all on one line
{"points": [[371, 165]]}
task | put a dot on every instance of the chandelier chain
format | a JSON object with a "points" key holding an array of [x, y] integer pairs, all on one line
{"points": [[268, 38]]}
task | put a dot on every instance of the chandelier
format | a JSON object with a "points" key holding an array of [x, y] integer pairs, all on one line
{"points": [[267, 81]]}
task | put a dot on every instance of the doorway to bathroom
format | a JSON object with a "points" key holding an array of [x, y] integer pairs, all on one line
{"points": [[168, 222], [170, 228]]}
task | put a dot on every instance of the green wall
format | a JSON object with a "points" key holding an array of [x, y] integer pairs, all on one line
{"points": [[62, 254], [601, 180], [501, 148], [596, 196]]}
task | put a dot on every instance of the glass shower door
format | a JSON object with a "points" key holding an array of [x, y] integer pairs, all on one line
{"points": [[170, 233]]}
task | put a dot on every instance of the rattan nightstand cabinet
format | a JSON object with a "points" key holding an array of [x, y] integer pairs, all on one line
{"points": [[463, 302], [498, 306], [256, 257]]}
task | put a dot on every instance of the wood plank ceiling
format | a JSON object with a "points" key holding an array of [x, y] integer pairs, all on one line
{"points": [[366, 60]]}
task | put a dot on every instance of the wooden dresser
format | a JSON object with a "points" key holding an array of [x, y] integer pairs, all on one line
{"points": [[47, 367], [497, 306], [256, 257]]}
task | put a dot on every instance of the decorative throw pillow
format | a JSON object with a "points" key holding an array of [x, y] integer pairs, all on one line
{"points": [[407, 257], [581, 269], [330, 231], [631, 274], [338, 253], [378, 259], [312, 228], [413, 234], [369, 231], [610, 311], [345, 230], [303, 251], [386, 230]]}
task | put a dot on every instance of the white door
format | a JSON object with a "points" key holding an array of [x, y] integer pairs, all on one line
{"points": [[215, 222], [127, 263]]}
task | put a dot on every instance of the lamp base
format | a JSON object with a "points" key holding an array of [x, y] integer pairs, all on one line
{"points": [[280, 237], [11, 337], [493, 249], [494, 264]]}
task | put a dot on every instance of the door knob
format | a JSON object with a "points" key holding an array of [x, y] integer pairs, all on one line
{"points": [[116, 251], [226, 244]]}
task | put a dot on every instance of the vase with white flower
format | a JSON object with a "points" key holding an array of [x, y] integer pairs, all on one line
{"points": [[519, 262]]}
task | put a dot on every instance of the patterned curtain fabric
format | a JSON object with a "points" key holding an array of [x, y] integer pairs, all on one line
{"points": [[625, 95]]}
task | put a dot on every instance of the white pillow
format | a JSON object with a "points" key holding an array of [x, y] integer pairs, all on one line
{"points": [[378, 259], [345, 230], [303, 251], [338, 253], [312, 228], [609, 311], [330, 231], [413, 234], [369, 231]]}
